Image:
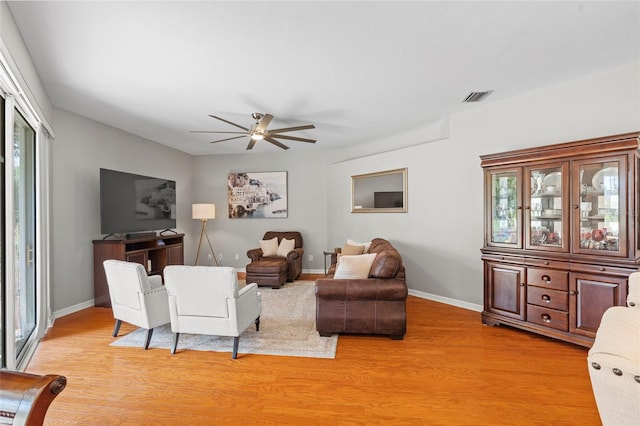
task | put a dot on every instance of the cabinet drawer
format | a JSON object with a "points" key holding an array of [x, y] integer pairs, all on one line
{"points": [[548, 317], [548, 278], [601, 269], [503, 258], [548, 298], [546, 263]]}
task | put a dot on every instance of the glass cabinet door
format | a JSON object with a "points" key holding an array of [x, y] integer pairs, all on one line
{"points": [[546, 213], [505, 208], [600, 208]]}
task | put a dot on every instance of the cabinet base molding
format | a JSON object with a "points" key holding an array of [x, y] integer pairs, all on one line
{"points": [[493, 320]]}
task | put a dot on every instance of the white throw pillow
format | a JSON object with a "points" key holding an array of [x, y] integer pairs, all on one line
{"points": [[355, 267], [286, 246], [269, 247], [354, 243]]}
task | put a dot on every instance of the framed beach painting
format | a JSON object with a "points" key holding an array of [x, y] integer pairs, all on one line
{"points": [[254, 195]]}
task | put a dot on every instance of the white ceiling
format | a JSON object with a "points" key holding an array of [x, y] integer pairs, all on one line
{"points": [[359, 71]]}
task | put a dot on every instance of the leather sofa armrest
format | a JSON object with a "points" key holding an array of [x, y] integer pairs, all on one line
{"points": [[361, 289], [294, 254], [254, 254]]}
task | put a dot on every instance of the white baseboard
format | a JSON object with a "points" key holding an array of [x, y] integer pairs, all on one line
{"points": [[421, 294], [446, 300], [74, 308]]}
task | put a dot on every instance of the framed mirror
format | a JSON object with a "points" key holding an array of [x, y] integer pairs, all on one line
{"points": [[379, 192]]}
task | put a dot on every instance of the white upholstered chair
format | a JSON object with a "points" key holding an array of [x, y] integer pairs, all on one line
{"points": [[614, 361], [207, 300], [135, 297]]}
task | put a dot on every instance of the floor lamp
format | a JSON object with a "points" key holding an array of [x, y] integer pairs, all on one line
{"points": [[204, 212]]}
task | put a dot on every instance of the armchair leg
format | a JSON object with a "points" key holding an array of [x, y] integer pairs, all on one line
{"points": [[116, 328], [149, 333], [236, 341], [175, 343], [257, 321]]}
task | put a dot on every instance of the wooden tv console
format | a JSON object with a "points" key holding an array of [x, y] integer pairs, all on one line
{"points": [[154, 253]]}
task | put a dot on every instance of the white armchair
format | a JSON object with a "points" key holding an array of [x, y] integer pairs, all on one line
{"points": [[207, 300], [135, 297], [614, 361]]}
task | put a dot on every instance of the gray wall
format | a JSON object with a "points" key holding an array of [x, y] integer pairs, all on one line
{"points": [[307, 201], [14, 50], [81, 148], [439, 237]]}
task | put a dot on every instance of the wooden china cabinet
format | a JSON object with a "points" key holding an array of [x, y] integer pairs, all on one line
{"points": [[561, 234]]}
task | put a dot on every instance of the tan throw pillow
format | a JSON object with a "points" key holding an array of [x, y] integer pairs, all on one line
{"points": [[354, 267], [285, 247], [352, 249], [269, 247], [355, 243]]}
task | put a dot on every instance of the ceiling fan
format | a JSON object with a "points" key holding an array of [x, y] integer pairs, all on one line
{"points": [[258, 131]]}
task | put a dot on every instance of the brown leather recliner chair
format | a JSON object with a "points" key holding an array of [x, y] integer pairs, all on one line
{"points": [[274, 271]]}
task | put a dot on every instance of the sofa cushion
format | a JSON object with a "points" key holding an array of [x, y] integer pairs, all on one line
{"points": [[354, 267], [355, 243], [286, 246], [350, 249], [386, 264], [269, 247]]}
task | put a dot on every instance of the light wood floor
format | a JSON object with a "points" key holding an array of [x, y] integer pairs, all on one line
{"points": [[449, 369]]}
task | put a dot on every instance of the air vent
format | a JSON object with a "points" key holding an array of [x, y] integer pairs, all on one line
{"points": [[477, 96]]}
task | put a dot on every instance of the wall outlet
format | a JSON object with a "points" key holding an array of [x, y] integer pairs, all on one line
{"points": [[237, 256], [220, 257], [310, 258], [210, 258]]}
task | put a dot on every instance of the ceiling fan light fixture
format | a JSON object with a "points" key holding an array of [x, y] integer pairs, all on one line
{"points": [[257, 136]]}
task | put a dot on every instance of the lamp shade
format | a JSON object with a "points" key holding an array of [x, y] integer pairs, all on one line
{"points": [[203, 211]]}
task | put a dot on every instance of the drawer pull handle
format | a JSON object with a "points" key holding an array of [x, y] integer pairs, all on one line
{"points": [[573, 293], [602, 269], [546, 278], [546, 298], [546, 317], [546, 262]]}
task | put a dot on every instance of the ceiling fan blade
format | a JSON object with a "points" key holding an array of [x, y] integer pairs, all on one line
{"points": [[229, 122], [228, 139], [293, 138], [213, 131], [252, 142], [292, 129], [275, 142], [262, 125]]}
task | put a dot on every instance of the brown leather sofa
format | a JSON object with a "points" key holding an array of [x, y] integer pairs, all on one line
{"points": [[274, 271], [374, 305]]}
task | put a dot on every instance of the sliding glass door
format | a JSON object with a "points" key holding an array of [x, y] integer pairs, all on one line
{"points": [[24, 232], [24, 223], [3, 287]]}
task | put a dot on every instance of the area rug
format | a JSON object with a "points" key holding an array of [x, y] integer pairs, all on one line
{"points": [[287, 328]]}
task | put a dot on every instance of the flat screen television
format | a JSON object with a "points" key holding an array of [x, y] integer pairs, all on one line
{"points": [[388, 199], [135, 203]]}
